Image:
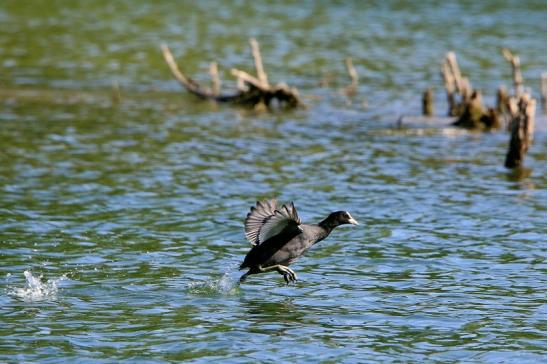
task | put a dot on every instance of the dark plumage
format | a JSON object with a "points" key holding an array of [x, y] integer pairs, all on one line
{"points": [[279, 238]]}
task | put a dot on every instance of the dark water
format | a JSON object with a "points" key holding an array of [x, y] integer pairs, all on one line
{"points": [[121, 225]]}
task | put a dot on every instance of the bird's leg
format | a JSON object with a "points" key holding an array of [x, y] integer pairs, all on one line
{"points": [[288, 274]]}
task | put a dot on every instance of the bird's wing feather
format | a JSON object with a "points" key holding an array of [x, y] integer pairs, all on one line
{"points": [[266, 221], [257, 217], [285, 218]]}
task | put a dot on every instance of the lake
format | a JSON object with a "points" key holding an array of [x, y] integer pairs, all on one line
{"points": [[121, 223]]}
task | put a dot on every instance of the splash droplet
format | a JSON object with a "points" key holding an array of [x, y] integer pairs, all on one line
{"points": [[225, 285], [36, 290]]}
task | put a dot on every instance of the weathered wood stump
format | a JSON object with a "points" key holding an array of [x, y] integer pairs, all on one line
{"points": [[522, 133], [453, 83], [463, 101], [427, 102], [512, 103], [251, 91], [475, 116]]}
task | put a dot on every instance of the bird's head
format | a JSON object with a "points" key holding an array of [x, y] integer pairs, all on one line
{"points": [[339, 218]]}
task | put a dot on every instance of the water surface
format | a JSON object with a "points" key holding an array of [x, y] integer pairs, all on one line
{"points": [[121, 225]]}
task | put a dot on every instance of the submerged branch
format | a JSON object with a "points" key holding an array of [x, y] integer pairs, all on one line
{"points": [[190, 85], [252, 91]]}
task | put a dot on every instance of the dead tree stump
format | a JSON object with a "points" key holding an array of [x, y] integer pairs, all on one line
{"points": [[502, 98], [512, 110], [522, 133], [251, 91], [452, 82], [463, 101], [475, 116], [427, 102]]}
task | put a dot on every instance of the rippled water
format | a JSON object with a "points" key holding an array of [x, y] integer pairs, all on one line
{"points": [[121, 225]]}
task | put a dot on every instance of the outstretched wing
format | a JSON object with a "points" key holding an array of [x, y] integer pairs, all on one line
{"points": [[265, 221], [257, 217], [284, 218]]}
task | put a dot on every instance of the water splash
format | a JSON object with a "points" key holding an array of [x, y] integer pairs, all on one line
{"points": [[37, 290], [225, 285]]}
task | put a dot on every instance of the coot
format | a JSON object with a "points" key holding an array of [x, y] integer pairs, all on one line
{"points": [[278, 237]]}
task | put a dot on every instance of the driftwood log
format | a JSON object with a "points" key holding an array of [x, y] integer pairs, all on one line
{"points": [[251, 91], [522, 133]]}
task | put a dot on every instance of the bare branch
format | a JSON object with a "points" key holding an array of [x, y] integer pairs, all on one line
{"points": [[261, 75], [215, 80], [187, 82], [517, 74], [352, 72], [455, 70], [247, 78]]}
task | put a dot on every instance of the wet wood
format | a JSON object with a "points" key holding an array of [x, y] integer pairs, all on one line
{"points": [[351, 89], [502, 100], [450, 71], [215, 79], [427, 102], [517, 74], [251, 91], [472, 112], [458, 88], [190, 85], [465, 102], [522, 133], [261, 75], [514, 112]]}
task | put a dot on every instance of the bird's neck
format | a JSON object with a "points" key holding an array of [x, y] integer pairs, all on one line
{"points": [[328, 225]]}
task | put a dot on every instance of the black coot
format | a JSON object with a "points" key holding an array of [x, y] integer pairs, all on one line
{"points": [[278, 237]]}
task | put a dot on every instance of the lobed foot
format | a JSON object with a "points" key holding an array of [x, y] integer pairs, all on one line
{"points": [[288, 274]]}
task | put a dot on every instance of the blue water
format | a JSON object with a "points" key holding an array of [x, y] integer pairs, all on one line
{"points": [[121, 224]]}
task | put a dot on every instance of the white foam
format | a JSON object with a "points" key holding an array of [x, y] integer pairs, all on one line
{"points": [[36, 290], [226, 285]]}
